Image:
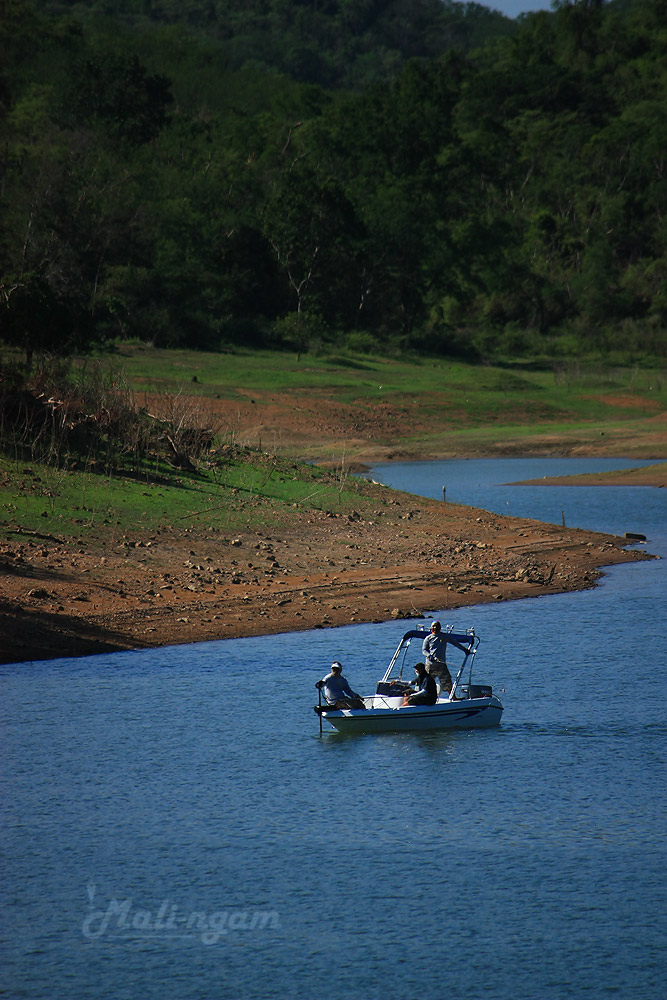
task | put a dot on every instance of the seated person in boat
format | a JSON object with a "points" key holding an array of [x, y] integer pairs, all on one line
{"points": [[337, 691], [434, 649], [427, 692]]}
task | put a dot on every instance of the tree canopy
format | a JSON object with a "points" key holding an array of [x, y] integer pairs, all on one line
{"points": [[389, 174]]}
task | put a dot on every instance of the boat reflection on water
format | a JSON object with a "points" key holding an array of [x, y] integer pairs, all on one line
{"points": [[468, 706]]}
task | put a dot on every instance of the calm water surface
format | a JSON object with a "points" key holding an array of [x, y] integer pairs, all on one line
{"points": [[174, 825]]}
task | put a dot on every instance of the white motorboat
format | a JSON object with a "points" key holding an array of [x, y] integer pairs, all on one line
{"points": [[468, 706]]}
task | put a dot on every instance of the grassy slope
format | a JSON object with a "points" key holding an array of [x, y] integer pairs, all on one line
{"points": [[472, 393], [248, 491], [87, 556], [444, 405], [448, 405]]}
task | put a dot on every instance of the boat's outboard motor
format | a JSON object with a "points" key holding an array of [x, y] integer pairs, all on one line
{"points": [[475, 691]]}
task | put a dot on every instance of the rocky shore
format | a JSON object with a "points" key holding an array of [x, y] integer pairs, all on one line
{"points": [[398, 556]]}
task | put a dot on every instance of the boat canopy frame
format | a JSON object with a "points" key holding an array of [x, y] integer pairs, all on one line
{"points": [[467, 642]]}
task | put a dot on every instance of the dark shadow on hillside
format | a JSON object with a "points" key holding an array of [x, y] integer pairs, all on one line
{"points": [[349, 363], [28, 635]]}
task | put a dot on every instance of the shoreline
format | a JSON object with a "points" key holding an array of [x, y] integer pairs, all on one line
{"points": [[654, 475], [402, 557]]}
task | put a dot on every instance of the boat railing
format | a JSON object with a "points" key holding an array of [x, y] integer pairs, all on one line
{"points": [[468, 661]]}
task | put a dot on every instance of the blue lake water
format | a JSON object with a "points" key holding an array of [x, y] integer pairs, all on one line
{"points": [[175, 826]]}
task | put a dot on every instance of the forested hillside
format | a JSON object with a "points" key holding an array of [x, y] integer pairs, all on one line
{"points": [[354, 172], [332, 43]]}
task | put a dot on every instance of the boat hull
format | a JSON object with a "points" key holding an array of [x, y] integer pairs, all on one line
{"points": [[473, 713]]}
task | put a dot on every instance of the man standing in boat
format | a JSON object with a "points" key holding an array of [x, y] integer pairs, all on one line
{"points": [[337, 691], [434, 652]]}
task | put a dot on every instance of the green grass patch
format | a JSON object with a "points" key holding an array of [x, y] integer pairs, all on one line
{"points": [[248, 492], [424, 400], [467, 393]]}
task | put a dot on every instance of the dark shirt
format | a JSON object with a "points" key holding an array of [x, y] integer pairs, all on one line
{"points": [[426, 693]]}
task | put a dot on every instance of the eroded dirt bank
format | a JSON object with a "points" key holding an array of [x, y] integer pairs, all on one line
{"points": [[400, 556], [646, 475]]}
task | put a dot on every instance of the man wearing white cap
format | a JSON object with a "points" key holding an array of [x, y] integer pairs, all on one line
{"points": [[337, 691]]}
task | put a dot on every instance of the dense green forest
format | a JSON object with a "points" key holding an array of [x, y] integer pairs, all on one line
{"points": [[378, 174]]}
